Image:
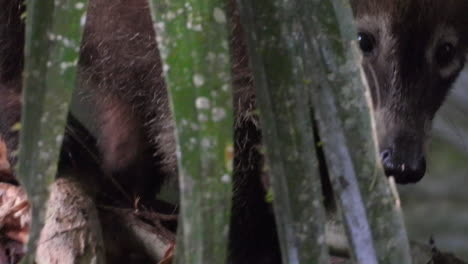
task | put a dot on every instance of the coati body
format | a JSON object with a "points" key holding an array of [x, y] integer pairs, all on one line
{"points": [[121, 77], [413, 51]]}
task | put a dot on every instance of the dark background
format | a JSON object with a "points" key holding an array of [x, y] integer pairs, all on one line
{"points": [[438, 205]]}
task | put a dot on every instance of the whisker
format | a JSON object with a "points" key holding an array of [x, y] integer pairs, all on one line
{"points": [[375, 80]]}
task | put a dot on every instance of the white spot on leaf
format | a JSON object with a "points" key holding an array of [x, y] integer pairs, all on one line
{"points": [[226, 178], [79, 5], [218, 114], [198, 80], [219, 15], [202, 103]]}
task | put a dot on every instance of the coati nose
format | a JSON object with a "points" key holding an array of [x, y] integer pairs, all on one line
{"points": [[404, 168]]}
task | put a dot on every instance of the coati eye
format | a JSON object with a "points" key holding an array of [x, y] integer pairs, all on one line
{"points": [[366, 42], [444, 54]]}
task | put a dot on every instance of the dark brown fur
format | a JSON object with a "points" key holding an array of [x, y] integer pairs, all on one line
{"points": [[120, 77]]}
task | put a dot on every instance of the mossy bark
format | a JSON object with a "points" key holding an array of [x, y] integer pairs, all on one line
{"points": [[273, 39], [53, 35], [194, 46]]}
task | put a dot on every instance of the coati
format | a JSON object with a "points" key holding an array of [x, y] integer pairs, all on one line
{"points": [[412, 52]]}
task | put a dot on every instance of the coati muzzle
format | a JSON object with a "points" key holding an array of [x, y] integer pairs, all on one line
{"points": [[404, 159]]}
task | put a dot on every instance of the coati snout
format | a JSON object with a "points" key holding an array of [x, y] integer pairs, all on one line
{"points": [[413, 51]]}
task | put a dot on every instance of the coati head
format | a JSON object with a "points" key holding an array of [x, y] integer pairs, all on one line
{"points": [[413, 50]]}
